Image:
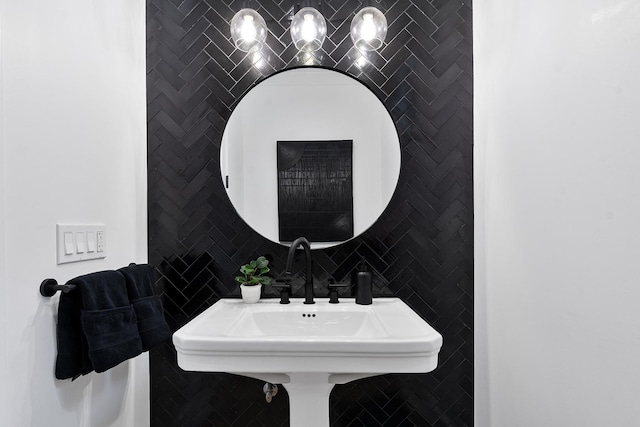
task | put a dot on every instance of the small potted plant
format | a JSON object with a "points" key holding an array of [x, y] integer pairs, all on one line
{"points": [[253, 278]]}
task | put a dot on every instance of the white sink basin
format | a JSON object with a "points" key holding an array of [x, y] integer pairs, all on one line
{"points": [[335, 320], [308, 348]]}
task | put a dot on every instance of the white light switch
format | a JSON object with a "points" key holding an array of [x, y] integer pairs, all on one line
{"points": [[68, 243], [91, 241], [80, 242]]}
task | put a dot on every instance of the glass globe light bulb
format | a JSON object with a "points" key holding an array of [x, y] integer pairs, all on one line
{"points": [[248, 30], [308, 29], [368, 29]]}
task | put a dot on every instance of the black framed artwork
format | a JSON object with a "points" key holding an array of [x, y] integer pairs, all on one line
{"points": [[315, 190]]}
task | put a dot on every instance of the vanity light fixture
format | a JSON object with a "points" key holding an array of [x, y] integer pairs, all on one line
{"points": [[248, 30], [368, 29], [308, 29]]}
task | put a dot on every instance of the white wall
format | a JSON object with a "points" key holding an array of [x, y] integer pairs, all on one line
{"points": [[557, 188], [72, 150], [4, 349]]}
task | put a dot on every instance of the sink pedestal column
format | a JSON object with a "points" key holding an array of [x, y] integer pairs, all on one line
{"points": [[308, 399]]}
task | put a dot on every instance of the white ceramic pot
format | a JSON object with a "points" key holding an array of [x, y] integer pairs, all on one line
{"points": [[250, 294]]}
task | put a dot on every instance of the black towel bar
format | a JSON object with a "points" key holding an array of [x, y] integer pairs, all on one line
{"points": [[49, 287]]}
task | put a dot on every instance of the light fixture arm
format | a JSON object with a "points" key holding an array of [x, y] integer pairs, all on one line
{"points": [[317, 4], [296, 5]]}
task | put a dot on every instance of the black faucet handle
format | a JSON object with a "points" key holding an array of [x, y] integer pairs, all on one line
{"points": [[285, 290], [333, 291], [281, 285]]}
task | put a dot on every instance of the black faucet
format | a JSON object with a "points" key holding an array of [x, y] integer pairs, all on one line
{"points": [[308, 284]]}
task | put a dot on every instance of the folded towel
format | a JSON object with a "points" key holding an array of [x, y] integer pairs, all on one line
{"points": [[73, 354], [108, 319], [152, 326], [140, 280], [102, 290]]}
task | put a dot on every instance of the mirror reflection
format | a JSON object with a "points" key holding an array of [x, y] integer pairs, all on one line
{"points": [[310, 152]]}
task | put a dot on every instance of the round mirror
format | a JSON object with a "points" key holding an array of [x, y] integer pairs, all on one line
{"points": [[310, 152]]}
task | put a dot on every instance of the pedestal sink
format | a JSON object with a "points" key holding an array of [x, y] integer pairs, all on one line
{"points": [[308, 348]]}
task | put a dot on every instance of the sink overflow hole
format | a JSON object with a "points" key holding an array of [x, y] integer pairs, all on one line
{"points": [[308, 315]]}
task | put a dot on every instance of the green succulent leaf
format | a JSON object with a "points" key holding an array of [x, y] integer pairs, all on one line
{"points": [[254, 272], [261, 262], [265, 280]]}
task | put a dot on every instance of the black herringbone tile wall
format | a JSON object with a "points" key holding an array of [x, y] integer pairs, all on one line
{"points": [[421, 249]]}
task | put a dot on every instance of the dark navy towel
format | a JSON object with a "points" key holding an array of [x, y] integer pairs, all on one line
{"points": [[73, 354], [108, 319], [152, 325]]}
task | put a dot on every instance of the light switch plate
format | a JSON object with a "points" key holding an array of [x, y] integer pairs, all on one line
{"points": [[81, 251]]}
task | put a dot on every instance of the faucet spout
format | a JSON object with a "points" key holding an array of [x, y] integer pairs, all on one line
{"points": [[308, 284]]}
